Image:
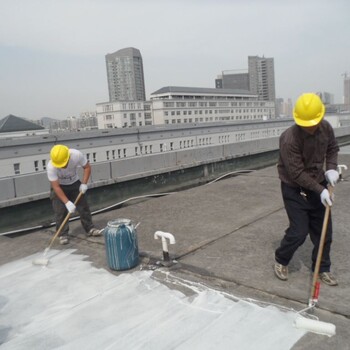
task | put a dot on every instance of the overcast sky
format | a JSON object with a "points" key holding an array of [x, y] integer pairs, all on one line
{"points": [[52, 52]]}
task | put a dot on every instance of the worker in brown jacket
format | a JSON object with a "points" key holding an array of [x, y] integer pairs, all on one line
{"points": [[307, 164]]}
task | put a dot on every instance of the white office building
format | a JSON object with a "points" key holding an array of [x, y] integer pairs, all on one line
{"points": [[183, 105]]}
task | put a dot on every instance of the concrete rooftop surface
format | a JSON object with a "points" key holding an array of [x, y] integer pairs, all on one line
{"points": [[226, 233]]}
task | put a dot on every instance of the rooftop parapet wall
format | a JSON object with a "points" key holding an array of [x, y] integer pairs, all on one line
{"points": [[28, 188]]}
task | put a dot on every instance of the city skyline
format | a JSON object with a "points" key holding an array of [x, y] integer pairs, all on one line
{"points": [[53, 61]]}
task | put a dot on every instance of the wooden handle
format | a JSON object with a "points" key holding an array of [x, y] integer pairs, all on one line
{"points": [[320, 247], [64, 221]]}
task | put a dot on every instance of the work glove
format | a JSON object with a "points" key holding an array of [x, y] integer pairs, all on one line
{"points": [[326, 198], [332, 176], [83, 188], [70, 207]]}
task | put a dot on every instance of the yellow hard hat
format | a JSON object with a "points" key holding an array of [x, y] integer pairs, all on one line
{"points": [[308, 110], [59, 155]]}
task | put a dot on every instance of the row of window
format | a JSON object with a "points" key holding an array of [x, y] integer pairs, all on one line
{"points": [[209, 119], [214, 104], [37, 163], [222, 111]]}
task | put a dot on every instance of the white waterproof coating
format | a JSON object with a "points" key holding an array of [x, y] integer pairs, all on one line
{"points": [[72, 305]]}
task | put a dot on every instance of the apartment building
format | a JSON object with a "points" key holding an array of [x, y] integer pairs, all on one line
{"points": [[262, 77], [125, 75]]}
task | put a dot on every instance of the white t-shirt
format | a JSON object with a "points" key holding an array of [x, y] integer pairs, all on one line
{"points": [[68, 175]]}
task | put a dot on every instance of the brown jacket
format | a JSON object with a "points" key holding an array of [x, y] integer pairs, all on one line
{"points": [[304, 157]]}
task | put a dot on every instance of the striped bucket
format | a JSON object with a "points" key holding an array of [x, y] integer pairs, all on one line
{"points": [[121, 244]]}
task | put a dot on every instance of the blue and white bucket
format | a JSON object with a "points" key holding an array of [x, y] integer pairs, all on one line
{"points": [[121, 244]]}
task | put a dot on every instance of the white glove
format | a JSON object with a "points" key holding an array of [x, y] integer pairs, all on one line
{"points": [[332, 176], [326, 198], [70, 207], [83, 188]]}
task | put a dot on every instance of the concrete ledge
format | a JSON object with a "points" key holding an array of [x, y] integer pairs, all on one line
{"points": [[22, 189]]}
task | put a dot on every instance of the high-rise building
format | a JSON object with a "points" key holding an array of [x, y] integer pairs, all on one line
{"points": [[233, 80], [125, 75], [262, 77], [326, 97]]}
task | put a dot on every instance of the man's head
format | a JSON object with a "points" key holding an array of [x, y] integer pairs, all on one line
{"points": [[59, 155], [308, 110]]}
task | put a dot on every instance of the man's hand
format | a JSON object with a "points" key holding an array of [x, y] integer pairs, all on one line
{"points": [[332, 176], [70, 207], [83, 188], [326, 198]]}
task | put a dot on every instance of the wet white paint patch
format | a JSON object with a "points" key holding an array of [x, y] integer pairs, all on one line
{"points": [[72, 305]]}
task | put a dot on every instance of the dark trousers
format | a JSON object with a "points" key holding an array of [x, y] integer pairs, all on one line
{"points": [[60, 210], [305, 217]]}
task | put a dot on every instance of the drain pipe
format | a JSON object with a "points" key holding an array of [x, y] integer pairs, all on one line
{"points": [[165, 236]]}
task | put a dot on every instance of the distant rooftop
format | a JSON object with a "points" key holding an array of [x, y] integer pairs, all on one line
{"points": [[12, 123], [199, 90], [128, 51]]}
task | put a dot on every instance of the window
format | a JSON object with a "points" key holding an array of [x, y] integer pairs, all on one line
{"points": [[44, 164], [36, 165], [94, 156], [107, 155], [88, 156]]}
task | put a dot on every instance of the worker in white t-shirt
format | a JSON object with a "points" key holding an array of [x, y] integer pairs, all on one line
{"points": [[65, 188]]}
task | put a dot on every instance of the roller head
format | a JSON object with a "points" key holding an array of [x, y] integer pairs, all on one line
{"points": [[315, 326], [40, 261]]}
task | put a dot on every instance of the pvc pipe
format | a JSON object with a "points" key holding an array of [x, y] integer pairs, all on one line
{"points": [[340, 167], [164, 236]]}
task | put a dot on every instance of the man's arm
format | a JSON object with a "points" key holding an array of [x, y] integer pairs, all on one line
{"points": [[332, 151], [87, 173], [59, 192]]}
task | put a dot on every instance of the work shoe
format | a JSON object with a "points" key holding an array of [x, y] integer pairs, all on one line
{"points": [[328, 278], [94, 232], [64, 239], [281, 271]]}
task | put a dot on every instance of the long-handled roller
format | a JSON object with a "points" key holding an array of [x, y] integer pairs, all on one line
{"points": [[308, 324], [44, 260]]}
